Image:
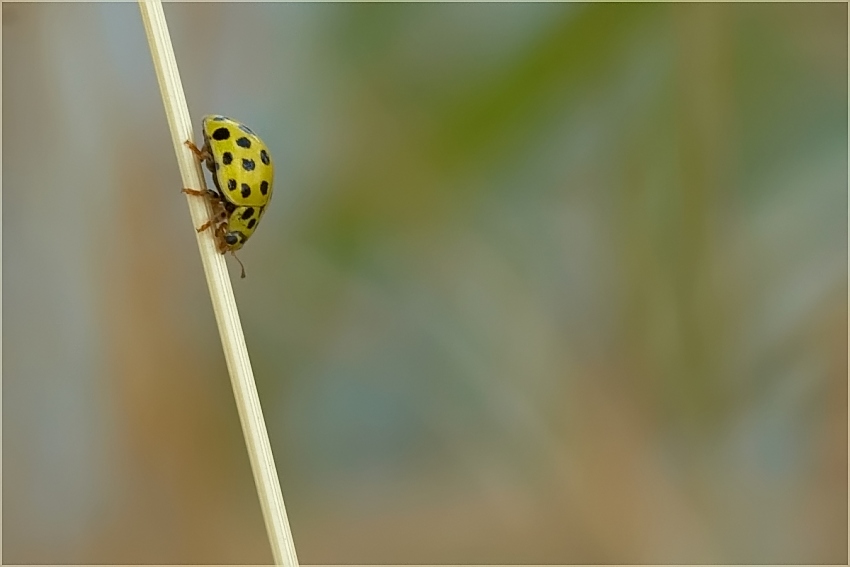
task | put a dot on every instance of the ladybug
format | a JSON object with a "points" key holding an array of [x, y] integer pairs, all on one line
{"points": [[243, 172]]}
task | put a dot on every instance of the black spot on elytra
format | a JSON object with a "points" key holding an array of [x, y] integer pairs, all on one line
{"points": [[231, 184], [264, 157], [231, 238], [264, 187], [227, 158], [252, 223], [246, 190], [243, 142], [248, 213], [221, 134], [247, 164]]}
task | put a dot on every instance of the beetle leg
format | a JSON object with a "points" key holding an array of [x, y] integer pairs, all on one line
{"points": [[204, 154], [219, 213], [204, 226], [219, 228], [207, 193]]}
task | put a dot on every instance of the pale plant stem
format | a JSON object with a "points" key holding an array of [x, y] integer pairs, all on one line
{"points": [[221, 292]]}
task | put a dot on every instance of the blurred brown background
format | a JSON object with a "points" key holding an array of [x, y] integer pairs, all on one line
{"points": [[540, 283]]}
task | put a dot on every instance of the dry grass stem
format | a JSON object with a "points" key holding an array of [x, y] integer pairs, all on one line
{"points": [[221, 293]]}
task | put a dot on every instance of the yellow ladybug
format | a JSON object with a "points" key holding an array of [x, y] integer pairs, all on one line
{"points": [[243, 172]]}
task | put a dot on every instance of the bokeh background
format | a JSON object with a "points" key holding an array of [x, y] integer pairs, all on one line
{"points": [[546, 283]]}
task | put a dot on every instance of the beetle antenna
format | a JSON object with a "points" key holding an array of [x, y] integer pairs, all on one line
{"points": [[240, 264]]}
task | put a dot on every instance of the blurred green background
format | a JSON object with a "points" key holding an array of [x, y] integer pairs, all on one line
{"points": [[540, 283]]}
